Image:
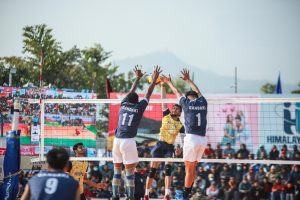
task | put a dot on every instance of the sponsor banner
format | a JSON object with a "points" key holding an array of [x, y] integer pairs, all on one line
{"points": [[37, 149], [27, 150], [280, 124], [64, 118], [35, 133]]}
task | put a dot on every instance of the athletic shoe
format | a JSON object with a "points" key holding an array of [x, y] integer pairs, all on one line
{"points": [[167, 197], [146, 197]]}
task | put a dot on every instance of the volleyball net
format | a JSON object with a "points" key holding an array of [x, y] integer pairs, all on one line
{"points": [[257, 123]]}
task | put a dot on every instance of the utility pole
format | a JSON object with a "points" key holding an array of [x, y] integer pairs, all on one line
{"points": [[235, 78]]}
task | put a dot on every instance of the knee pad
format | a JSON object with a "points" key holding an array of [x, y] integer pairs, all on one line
{"points": [[168, 169], [152, 172]]}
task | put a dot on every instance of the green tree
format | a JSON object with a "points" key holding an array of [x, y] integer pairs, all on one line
{"points": [[268, 88], [297, 91], [59, 68], [180, 85]]}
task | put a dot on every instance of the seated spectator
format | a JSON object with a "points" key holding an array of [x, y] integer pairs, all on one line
{"points": [[260, 151], [289, 191], [274, 153], [284, 173], [256, 192], [226, 174], [179, 172], [286, 151], [283, 155], [218, 152], [222, 186], [244, 189], [228, 150], [239, 173], [243, 152], [260, 174], [278, 190], [200, 183], [208, 152], [295, 174], [231, 192], [297, 189], [250, 174], [153, 194], [212, 191], [294, 152], [266, 188], [106, 172], [272, 174], [201, 172]]}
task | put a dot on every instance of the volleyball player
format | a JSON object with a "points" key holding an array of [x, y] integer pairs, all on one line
{"points": [[79, 170], [124, 146], [53, 184], [164, 148], [194, 107]]}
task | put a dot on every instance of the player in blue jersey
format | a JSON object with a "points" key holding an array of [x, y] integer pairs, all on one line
{"points": [[55, 183], [194, 107], [124, 146]]}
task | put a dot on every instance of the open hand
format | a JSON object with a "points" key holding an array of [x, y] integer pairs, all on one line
{"points": [[185, 74], [156, 73], [138, 72]]}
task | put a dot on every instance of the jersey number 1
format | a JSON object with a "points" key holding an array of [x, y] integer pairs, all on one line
{"points": [[199, 119], [130, 119]]}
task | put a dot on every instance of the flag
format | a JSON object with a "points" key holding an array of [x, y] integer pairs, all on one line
{"points": [[108, 88], [278, 89]]}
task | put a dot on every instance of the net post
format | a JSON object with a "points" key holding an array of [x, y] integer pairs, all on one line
{"points": [[42, 147]]}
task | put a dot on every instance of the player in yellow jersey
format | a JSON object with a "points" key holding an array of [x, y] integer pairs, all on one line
{"points": [[79, 170], [164, 148]]}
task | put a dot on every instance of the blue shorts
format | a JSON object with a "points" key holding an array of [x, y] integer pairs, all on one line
{"points": [[163, 150]]}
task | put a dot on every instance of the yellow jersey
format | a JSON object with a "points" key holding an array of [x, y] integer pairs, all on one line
{"points": [[78, 171], [169, 129]]}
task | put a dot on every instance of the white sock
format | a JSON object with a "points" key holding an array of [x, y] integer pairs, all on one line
{"points": [[167, 192], [147, 192]]}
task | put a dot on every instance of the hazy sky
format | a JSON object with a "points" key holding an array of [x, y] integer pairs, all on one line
{"points": [[260, 37]]}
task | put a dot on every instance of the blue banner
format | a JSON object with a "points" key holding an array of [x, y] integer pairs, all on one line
{"points": [[9, 189]]}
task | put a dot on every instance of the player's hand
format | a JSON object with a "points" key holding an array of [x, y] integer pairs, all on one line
{"points": [[161, 83], [156, 73], [138, 72], [185, 74], [102, 185], [165, 79]]}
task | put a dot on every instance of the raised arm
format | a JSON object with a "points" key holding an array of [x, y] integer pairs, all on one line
{"points": [[185, 75], [163, 95], [155, 75], [138, 75], [168, 81]]}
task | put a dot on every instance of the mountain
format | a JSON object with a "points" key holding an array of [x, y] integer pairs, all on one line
{"points": [[209, 82]]}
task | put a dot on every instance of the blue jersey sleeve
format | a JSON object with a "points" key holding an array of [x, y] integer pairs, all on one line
{"points": [[166, 112]]}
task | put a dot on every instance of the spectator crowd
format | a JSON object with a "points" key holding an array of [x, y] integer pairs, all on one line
{"points": [[227, 181]]}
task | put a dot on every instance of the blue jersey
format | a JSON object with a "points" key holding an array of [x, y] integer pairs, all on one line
{"points": [[52, 185], [194, 115], [130, 116]]}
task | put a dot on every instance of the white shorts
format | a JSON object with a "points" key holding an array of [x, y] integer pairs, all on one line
{"points": [[125, 151], [193, 147]]}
